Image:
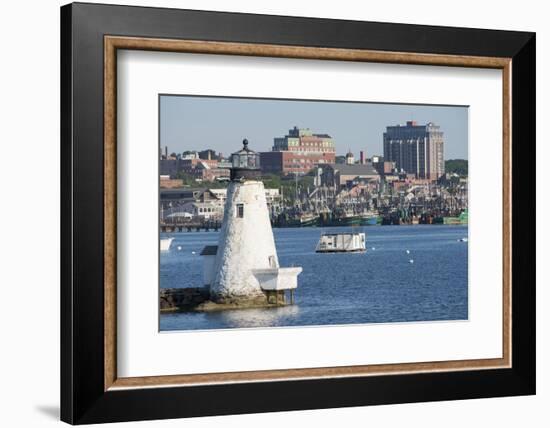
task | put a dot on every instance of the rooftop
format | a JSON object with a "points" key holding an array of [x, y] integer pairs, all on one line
{"points": [[355, 169]]}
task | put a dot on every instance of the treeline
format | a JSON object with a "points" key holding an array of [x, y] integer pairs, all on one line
{"points": [[458, 166]]}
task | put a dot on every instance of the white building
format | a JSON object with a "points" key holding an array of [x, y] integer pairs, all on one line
{"points": [[272, 196], [203, 210]]}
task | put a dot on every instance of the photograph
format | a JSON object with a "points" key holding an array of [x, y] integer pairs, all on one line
{"points": [[303, 213]]}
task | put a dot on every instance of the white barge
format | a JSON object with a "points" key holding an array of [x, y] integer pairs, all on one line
{"points": [[341, 243]]}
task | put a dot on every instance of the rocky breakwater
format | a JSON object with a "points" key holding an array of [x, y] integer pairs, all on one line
{"points": [[197, 299], [180, 299]]}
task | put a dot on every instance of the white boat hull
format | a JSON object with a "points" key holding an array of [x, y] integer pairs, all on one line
{"points": [[341, 243]]}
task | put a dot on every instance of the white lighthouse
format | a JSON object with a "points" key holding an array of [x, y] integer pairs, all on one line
{"points": [[246, 266]]}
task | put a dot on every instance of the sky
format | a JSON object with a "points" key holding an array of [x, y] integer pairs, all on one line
{"points": [[199, 123]]}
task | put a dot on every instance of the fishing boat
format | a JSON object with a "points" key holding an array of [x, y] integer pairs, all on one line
{"points": [[461, 219], [341, 218], [341, 242], [300, 220], [370, 218], [165, 243]]}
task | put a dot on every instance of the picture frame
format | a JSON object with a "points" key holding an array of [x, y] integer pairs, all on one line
{"points": [[91, 391]]}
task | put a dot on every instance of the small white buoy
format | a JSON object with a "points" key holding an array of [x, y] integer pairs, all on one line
{"points": [[411, 261], [179, 247], [192, 252], [408, 252], [373, 248]]}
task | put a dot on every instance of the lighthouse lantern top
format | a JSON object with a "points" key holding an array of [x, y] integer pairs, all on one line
{"points": [[245, 164]]}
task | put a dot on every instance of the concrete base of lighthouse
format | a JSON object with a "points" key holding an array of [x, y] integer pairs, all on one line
{"points": [[274, 284]]}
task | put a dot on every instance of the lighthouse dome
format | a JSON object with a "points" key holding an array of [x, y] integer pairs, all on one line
{"points": [[245, 164]]}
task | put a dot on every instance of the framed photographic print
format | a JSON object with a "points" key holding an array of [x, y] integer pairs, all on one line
{"points": [[266, 213]]}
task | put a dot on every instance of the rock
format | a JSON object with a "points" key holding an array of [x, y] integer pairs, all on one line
{"points": [[175, 299], [197, 299]]}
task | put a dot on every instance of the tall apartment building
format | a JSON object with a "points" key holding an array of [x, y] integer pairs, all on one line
{"points": [[298, 152], [417, 149]]}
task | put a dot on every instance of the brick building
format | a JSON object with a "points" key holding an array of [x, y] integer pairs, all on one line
{"points": [[170, 183], [298, 152], [383, 167], [292, 163]]}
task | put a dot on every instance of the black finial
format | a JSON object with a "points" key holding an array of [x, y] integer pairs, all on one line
{"points": [[245, 144]]}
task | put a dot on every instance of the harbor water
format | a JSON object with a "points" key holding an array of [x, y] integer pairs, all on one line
{"points": [[408, 273]]}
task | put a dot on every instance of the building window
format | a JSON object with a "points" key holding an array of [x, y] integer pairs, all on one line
{"points": [[240, 211]]}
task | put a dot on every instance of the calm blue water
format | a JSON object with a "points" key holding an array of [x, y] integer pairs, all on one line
{"points": [[380, 285]]}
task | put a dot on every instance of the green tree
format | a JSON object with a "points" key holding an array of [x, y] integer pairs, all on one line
{"points": [[340, 159], [457, 166], [271, 181], [188, 180]]}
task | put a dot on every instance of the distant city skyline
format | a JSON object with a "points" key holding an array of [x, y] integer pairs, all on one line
{"points": [[218, 123]]}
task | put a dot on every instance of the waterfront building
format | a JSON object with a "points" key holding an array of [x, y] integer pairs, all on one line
{"points": [[416, 149], [212, 210], [341, 175], [383, 166], [199, 169], [201, 202], [298, 152], [178, 204], [246, 266], [220, 194], [191, 194], [172, 196], [209, 172], [169, 183], [272, 196]]}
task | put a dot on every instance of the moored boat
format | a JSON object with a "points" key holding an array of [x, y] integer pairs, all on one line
{"points": [[461, 219], [371, 219], [302, 220], [341, 219], [341, 242]]}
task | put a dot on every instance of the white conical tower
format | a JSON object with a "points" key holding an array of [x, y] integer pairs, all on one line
{"points": [[246, 241]]}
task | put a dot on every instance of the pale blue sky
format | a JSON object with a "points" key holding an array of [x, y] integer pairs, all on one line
{"points": [[198, 123]]}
